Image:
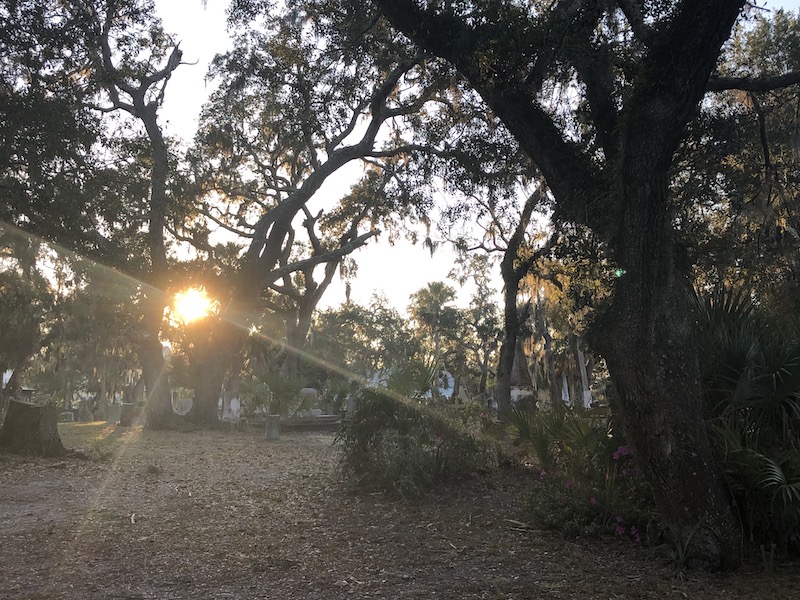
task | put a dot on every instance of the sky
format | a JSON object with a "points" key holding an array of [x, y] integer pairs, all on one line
{"points": [[395, 271]]}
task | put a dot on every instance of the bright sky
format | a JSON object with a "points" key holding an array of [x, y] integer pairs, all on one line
{"points": [[396, 271]]}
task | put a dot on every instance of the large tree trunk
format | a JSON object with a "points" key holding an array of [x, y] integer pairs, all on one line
{"points": [[207, 392], [648, 340], [31, 429], [652, 360], [296, 334], [158, 404], [210, 371], [217, 353]]}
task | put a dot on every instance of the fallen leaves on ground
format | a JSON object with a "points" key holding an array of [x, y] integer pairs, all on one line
{"points": [[155, 515]]}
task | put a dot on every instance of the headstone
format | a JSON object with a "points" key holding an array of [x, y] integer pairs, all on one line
{"points": [[231, 407], [351, 405], [66, 417], [85, 413], [182, 401], [127, 414], [114, 413], [273, 431], [309, 393]]}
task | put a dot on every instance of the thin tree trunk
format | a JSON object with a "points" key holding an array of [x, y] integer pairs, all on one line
{"points": [[505, 363], [484, 374], [580, 359], [158, 403], [549, 359]]}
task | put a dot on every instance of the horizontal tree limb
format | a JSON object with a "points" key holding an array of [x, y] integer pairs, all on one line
{"points": [[753, 84]]}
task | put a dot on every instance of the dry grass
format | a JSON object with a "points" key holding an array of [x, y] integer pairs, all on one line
{"points": [[226, 515]]}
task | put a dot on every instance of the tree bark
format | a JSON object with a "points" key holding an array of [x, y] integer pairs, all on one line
{"points": [[215, 357], [586, 389], [158, 403], [505, 362], [31, 429], [647, 336], [143, 104], [512, 270]]}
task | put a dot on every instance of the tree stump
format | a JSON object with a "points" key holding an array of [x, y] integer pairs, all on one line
{"points": [[31, 429]]}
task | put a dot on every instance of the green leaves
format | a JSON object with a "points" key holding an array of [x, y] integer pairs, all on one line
{"points": [[395, 445], [751, 374]]}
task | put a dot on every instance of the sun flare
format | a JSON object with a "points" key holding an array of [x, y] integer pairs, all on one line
{"points": [[192, 304]]}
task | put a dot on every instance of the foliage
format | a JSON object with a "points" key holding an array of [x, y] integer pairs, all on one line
{"points": [[751, 369], [395, 445], [22, 308], [276, 393], [359, 342], [738, 170], [588, 483], [93, 333]]}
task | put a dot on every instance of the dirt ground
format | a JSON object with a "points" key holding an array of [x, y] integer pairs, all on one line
{"points": [[228, 515]]}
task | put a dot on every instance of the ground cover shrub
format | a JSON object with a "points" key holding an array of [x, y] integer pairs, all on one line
{"points": [[402, 447], [274, 393], [750, 360], [587, 482]]}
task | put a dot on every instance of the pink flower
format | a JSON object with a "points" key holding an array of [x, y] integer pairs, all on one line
{"points": [[621, 451], [619, 529], [542, 474], [593, 501], [635, 534]]}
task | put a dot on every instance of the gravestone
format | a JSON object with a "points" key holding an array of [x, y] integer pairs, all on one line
{"points": [[66, 417], [273, 431], [85, 412], [114, 413], [351, 405], [128, 414], [231, 407], [182, 401]]}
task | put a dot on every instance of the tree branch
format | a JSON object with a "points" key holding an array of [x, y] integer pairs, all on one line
{"points": [[633, 13], [571, 177], [753, 84], [343, 251]]}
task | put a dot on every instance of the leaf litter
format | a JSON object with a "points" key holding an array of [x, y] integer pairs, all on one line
{"points": [[218, 514]]}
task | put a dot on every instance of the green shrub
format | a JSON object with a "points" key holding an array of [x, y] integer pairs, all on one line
{"points": [[403, 448], [275, 393], [750, 361], [588, 482]]}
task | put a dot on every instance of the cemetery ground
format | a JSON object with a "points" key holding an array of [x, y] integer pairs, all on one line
{"points": [[225, 514]]}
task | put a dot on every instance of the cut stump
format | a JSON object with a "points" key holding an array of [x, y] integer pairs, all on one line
{"points": [[31, 429]]}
